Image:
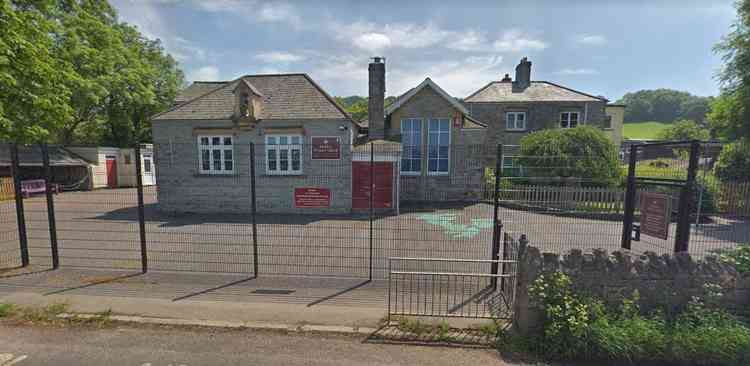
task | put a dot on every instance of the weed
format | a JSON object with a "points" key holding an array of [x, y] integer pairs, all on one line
{"points": [[7, 310]]}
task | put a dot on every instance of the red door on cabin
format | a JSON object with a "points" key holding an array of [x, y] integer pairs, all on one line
{"points": [[383, 174], [111, 173]]}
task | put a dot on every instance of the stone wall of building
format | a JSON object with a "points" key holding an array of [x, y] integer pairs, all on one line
{"points": [[665, 282], [182, 188]]}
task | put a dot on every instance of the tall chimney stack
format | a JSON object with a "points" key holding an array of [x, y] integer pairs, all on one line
{"points": [[523, 74], [375, 108]]}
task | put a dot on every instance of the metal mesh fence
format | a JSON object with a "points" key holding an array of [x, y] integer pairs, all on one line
{"points": [[286, 209]]}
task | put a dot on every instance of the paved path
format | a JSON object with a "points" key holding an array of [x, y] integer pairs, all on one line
{"points": [[160, 346]]}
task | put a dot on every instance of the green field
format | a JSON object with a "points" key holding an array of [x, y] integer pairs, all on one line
{"points": [[643, 130]]}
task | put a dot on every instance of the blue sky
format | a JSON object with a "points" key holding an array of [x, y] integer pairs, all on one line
{"points": [[602, 47]]}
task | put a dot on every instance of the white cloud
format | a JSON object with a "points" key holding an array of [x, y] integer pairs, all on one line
{"points": [[468, 41], [372, 41], [205, 73], [515, 41], [591, 39], [279, 57], [369, 36], [262, 11], [582, 71]]}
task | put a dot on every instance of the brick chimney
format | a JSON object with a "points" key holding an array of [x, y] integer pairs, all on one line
{"points": [[523, 74], [375, 108]]}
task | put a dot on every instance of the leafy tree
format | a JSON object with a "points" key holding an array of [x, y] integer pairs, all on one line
{"points": [[734, 162], [583, 152], [724, 118], [664, 105], [731, 115], [357, 106], [33, 96], [684, 130]]}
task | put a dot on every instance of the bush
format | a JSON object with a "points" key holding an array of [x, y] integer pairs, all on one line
{"points": [[684, 130], [739, 257], [567, 318], [583, 328], [706, 336], [733, 164], [582, 152]]}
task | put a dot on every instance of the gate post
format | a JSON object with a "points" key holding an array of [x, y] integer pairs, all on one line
{"points": [[498, 226], [141, 215], [372, 194], [687, 197], [20, 217], [627, 224], [50, 206], [253, 209]]}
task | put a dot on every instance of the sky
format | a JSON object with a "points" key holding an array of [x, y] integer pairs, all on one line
{"points": [[601, 47]]}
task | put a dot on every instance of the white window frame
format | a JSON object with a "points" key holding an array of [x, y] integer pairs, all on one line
{"points": [[222, 157], [570, 113], [515, 115], [421, 143], [427, 156], [289, 148], [149, 158]]}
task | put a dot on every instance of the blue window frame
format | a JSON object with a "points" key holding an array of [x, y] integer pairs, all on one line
{"points": [[438, 145], [411, 146]]}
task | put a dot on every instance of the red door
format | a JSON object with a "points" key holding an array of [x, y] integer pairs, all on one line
{"points": [[111, 172], [383, 174]]}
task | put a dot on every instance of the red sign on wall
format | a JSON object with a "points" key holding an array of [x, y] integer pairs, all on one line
{"points": [[326, 148], [312, 197]]}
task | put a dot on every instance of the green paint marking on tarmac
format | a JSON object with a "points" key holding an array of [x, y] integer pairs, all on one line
{"points": [[454, 230]]}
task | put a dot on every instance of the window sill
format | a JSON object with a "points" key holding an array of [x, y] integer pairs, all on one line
{"points": [[410, 174], [516, 130], [438, 174], [215, 175], [284, 175]]}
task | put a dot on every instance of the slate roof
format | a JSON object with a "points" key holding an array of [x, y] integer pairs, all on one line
{"points": [[32, 156], [197, 89], [538, 91], [285, 96]]}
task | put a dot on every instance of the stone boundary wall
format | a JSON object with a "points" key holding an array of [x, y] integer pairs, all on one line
{"points": [[663, 281]]}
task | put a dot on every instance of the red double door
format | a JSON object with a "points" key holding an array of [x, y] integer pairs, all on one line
{"points": [[382, 173]]}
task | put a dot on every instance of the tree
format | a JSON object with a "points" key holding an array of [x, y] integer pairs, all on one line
{"points": [[358, 106], [734, 162], [33, 96], [664, 105], [731, 115], [684, 130], [584, 152]]}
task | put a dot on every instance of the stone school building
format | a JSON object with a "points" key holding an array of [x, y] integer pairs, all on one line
{"points": [[310, 156]]}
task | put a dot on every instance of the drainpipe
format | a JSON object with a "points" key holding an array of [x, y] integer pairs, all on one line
{"points": [[585, 113]]}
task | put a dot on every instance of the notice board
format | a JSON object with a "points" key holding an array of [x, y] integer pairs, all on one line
{"points": [[655, 214]]}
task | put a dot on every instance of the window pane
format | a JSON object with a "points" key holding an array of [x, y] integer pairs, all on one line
{"points": [[444, 138], [432, 139], [434, 125], [216, 154], [405, 165], [296, 159], [271, 159], [432, 165], [205, 159], [521, 116], [284, 160], [147, 166], [510, 121], [227, 141], [433, 152], [271, 140], [445, 125], [295, 140], [228, 159], [204, 140], [444, 152], [443, 165], [416, 165], [283, 140], [215, 141], [416, 126]]}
